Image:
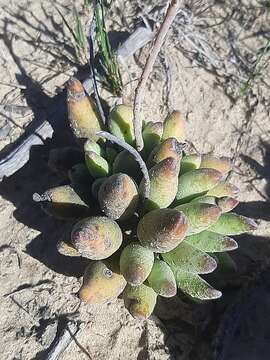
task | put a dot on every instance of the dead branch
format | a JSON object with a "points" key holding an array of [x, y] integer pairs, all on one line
{"points": [[64, 340], [20, 156], [139, 92]]}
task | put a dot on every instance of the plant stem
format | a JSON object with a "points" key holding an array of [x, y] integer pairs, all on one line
{"points": [[139, 92], [135, 154]]}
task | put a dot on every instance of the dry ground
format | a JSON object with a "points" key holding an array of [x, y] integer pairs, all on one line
{"points": [[203, 70]]}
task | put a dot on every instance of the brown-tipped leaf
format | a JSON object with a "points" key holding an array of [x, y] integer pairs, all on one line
{"points": [[162, 230], [200, 216], [97, 237], [222, 164], [118, 197], [168, 148], [163, 184], [227, 203], [82, 113]]}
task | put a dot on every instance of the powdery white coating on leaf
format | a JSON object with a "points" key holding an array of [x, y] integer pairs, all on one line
{"points": [[194, 285], [162, 230], [233, 224], [136, 263], [140, 300], [200, 216], [190, 259], [196, 182], [161, 279], [211, 242], [97, 237]]}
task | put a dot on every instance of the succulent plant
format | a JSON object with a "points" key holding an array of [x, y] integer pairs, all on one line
{"points": [[137, 245]]}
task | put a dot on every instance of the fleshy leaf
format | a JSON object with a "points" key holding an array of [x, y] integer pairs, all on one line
{"points": [[190, 259], [121, 123], [163, 184], [174, 126], [222, 164], [118, 197], [225, 263], [82, 112], [101, 284], [195, 286], [97, 166], [139, 300], [233, 224], [211, 242], [189, 163], [200, 216], [195, 183], [168, 148], [161, 279], [162, 230], [125, 163], [67, 249], [96, 238], [136, 263], [227, 203], [204, 200], [222, 189], [62, 202], [152, 133]]}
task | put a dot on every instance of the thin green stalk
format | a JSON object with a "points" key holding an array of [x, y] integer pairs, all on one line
{"points": [[108, 57]]}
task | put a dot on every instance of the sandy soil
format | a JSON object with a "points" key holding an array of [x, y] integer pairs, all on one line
{"points": [[38, 286]]}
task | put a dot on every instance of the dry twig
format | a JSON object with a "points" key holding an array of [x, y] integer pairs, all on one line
{"points": [[139, 92], [64, 340]]}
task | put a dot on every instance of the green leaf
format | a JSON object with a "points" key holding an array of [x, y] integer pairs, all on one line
{"points": [[196, 183], [211, 242], [189, 163], [200, 216], [79, 31], [189, 259], [194, 285], [233, 224], [161, 279]]}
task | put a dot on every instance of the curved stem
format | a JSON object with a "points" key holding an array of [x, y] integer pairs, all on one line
{"points": [[135, 154]]}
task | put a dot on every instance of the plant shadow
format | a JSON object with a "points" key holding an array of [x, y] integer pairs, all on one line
{"points": [[35, 176]]}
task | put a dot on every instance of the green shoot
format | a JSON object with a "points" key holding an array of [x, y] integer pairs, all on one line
{"points": [[78, 35], [113, 80]]}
